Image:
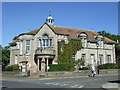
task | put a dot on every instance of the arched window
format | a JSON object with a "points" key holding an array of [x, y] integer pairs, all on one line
{"points": [[100, 41], [45, 41]]}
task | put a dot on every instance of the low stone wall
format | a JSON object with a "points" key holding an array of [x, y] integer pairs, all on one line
{"points": [[67, 74], [81, 73], [108, 71]]}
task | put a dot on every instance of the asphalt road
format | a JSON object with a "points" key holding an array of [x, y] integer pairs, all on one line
{"points": [[82, 82]]}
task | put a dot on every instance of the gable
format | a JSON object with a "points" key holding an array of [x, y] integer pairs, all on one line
{"points": [[45, 29]]}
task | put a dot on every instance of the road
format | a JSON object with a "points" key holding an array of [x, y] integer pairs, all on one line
{"points": [[81, 82]]}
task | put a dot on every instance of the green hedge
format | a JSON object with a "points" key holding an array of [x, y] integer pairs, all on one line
{"points": [[12, 67], [61, 67], [108, 66], [84, 68]]}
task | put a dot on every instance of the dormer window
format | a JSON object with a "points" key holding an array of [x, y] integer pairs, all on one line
{"points": [[100, 42], [83, 37]]}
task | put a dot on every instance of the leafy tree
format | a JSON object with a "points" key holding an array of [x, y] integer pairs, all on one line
{"points": [[109, 35], [5, 56], [15, 37]]}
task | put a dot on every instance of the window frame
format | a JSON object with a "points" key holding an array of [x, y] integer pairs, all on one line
{"points": [[27, 53]]}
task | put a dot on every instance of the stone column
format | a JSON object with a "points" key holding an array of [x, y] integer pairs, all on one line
{"points": [[38, 62], [47, 64], [42, 67]]}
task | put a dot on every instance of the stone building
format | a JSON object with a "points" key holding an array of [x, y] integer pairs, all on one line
{"points": [[39, 48]]}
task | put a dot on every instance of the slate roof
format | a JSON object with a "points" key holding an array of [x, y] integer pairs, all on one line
{"points": [[71, 32]]}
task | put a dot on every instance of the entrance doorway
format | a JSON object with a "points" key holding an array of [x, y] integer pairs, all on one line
{"points": [[47, 62]]}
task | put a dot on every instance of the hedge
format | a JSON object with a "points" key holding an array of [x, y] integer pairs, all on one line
{"points": [[84, 68], [14, 67], [61, 67], [108, 66]]}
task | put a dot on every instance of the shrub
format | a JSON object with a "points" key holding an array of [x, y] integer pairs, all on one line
{"points": [[61, 67], [108, 66], [9, 68], [84, 68], [14, 67]]}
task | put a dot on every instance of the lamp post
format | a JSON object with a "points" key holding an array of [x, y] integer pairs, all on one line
{"points": [[97, 59]]}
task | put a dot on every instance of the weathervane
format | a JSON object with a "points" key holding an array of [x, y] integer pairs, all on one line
{"points": [[50, 12]]}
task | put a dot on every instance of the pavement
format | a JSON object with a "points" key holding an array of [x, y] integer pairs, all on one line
{"points": [[110, 86]]}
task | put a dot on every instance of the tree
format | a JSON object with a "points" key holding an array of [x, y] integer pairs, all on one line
{"points": [[109, 35], [5, 56], [15, 37]]}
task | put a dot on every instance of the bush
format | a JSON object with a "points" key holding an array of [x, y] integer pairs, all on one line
{"points": [[14, 67], [61, 67], [9, 68], [84, 68], [108, 66]]}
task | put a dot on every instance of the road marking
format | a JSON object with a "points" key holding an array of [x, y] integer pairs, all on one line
{"points": [[64, 84], [47, 83], [80, 87], [74, 86], [56, 83]]}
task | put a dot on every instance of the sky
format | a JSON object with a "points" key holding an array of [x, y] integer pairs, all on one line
{"points": [[21, 17]]}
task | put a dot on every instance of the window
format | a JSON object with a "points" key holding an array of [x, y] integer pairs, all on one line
{"points": [[109, 58], [83, 59], [62, 45], [100, 44], [83, 37], [27, 46], [84, 42], [92, 58], [101, 59], [41, 43], [50, 42], [44, 42]]}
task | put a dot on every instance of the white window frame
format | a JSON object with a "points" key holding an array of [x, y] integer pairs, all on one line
{"points": [[100, 44], [109, 61], [101, 59], [84, 42], [26, 46], [50, 42]]}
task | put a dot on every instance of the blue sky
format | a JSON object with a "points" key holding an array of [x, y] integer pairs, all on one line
{"points": [[19, 17]]}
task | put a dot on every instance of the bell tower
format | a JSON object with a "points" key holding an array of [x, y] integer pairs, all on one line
{"points": [[50, 19]]}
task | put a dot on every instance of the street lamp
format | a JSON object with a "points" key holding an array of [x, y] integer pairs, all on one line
{"points": [[97, 58]]}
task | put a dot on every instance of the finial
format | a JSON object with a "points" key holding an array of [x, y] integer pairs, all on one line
{"points": [[29, 27], [50, 12]]}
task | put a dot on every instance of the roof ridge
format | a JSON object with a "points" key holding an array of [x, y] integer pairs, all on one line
{"points": [[76, 29]]}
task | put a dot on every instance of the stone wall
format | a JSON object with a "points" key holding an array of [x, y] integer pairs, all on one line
{"points": [[69, 74], [80, 73]]}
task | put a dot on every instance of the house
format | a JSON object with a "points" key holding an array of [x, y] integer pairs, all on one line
{"points": [[39, 48]]}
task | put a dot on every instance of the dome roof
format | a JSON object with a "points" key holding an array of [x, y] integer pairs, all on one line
{"points": [[50, 17]]}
